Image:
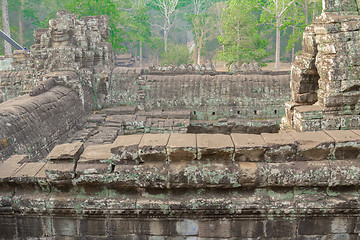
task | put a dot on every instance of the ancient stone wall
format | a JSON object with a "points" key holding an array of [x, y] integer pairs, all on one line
{"points": [[209, 97], [185, 186], [34, 125]]}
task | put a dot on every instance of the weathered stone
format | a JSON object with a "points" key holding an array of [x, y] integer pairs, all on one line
{"points": [[347, 144], [126, 149], [182, 147], [281, 147], [345, 173], [96, 153], [93, 168], [66, 152], [153, 147], [28, 170], [216, 147], [11, 165], [214, 229], [57, 171], [313, 145], [248, 147]]}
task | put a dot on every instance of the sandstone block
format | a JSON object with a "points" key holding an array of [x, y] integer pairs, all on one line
{"points": [[249, 147], [214, 229], [252, 174], [57, 171], [66, 152], [96, 153], [92, 168], [313, 145], [126, 149], [281, 147], [182, 147], [208, 175], [153, 147], [11, 165], [153, 175], [345, 173], [299, 174], [29, 170], [217, 147], [347, 144]]}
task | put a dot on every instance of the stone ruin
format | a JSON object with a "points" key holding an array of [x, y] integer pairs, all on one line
{"points": [[102, 183], [325, 78]]}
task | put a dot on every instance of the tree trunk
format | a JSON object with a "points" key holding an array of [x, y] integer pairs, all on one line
{"points": [[199, 56], [141, 54], [314, 11], [21, 28], [6, 25], [306, 3], [278, 39]]}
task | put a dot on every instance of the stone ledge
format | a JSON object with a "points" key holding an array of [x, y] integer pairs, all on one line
{"points": [[271, 148]]}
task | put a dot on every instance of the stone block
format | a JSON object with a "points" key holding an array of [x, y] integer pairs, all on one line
{"points": [[249, 147], [11, 166], [314, 226], [28, 227], [126, 149], [65, 227], [182, 147], [66, 152], [280, 229], [57, 171], [123, 110], [118, 227], [313, 146], [96, 153], [208, 175], [29, 170], [92, 168], [217, 147], [155, 227], [153, 147], [344, 173], [187, 227], [252, 174], [300, 174], [248, 228], [8, 227], [343, 224], [93, 227], [347, 144], [214, 229], [281, 147], [153, 175]]}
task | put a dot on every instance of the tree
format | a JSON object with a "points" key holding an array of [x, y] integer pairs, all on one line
{"points": [[140, 26], [6, 25], [242, 39], [167, 9], [203, 29], [274, 12], [176, 55]]}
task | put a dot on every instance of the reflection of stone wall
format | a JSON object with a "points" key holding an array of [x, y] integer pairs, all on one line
{"points": [[325, 81]]}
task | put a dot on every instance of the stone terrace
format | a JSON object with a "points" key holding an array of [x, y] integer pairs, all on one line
{"points": [[179, 186]]}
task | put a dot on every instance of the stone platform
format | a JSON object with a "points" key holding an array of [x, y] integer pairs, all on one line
{"points": [[188, 186]]}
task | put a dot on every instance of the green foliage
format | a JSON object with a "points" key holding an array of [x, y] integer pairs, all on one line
{"points": [[242, 39], [177, 54]]}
